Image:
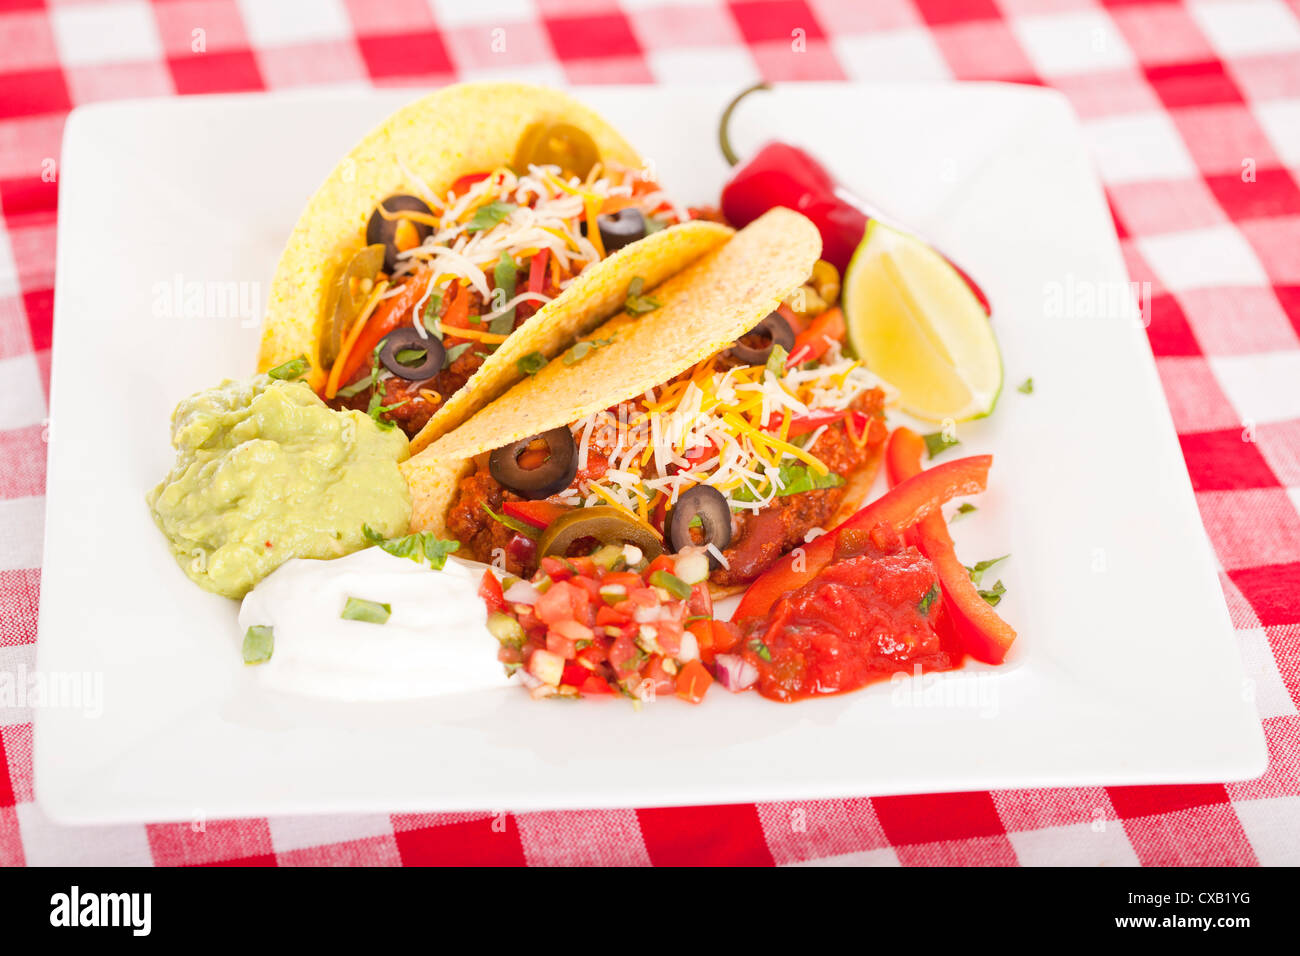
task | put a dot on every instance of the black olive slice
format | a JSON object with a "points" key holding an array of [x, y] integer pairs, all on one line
{"points": [[553, 475], [380, 230], [775, 329], [400, 340], [602, 524], [622, 228], [710, 506]]}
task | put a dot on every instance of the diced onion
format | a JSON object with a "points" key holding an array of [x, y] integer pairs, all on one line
{"points": [[735, 673]]}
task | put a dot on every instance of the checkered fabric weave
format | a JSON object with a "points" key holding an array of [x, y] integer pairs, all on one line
{"points": [[1193, 112]]}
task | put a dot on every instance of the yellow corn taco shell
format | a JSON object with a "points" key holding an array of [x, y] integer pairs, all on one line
{"points": [[705, 308], [425, 147]]}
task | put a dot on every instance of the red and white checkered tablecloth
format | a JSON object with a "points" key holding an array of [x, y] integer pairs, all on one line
{"points": [[1193, 112]]}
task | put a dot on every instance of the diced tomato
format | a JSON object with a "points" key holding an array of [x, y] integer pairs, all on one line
{"points": [[725, 636], [609, 616], [539, 514], [590, 585], [668, 635], [575, 675], [661, 563], [595, 684], [643, 597], [489, 590], [560, 645], [700, 603], [573, 630], [562, 602], [662, 681], [623, 654], [693, 682], [627, 579], [557, 569]]}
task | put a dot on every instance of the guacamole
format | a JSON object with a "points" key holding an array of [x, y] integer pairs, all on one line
{"points": [[266, 472]]}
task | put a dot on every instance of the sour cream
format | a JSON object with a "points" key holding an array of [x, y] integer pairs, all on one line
{"points": [[434, 642]]}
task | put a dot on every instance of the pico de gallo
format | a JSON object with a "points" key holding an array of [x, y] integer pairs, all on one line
{"points": [[614, 622], [444, 280]]}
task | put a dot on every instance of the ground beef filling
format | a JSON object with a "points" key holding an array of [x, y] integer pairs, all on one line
{"points": [[757, 539]]}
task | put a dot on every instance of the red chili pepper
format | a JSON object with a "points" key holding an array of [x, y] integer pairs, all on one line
{"points": [[983, 635], [900, 507], [783, 175]]}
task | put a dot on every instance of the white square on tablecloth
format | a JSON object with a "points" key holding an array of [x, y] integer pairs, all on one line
{"points": [[1138, 147], [455, 13], [286, 22], [47, 844], [1262, 388], [898, 55], [1273, 827], [89, 34], [1271, 696], [1245, 27], [1197, 258], [302, 832], [22, 529], [1281, 121], [1075, 845], [1086, 41], [24, 402], [884, 856], [703, 65]]}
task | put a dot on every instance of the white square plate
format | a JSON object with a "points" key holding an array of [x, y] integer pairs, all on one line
{"points": [[1126, 669]]}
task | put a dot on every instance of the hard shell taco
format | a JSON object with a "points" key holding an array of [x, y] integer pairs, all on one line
{"points": [[701, 418], [463, 243]]}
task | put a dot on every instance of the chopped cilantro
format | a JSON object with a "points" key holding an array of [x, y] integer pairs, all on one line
{"points": [[977, 572], [421, 546], [794, 478], [1026, 387], [962, 511], [489, 215], [758, 647], [531, 364], [636, 303], [994, 594], [504, 277], [928, 600], [936, 443], [290, 370]]}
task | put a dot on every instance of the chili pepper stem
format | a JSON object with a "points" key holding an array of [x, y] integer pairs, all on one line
{"points": [[724, 135]]}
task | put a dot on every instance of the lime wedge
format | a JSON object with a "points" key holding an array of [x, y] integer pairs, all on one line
{"points": [[915, 323]]}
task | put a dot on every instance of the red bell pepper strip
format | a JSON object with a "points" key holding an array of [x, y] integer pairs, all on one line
{"points": [[537, 271], [538, 514], [388, 315], [983, 635], [812, 343], [783, 175], [901, 507]]}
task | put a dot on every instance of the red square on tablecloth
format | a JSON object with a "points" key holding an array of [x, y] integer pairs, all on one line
{"points": [[1271, 590], [232, 72], [22, 450], [39, 306], [29, 92], [1223, 460], [420, 53], [1193, 84], [675, 836], [462, 843], [1203, 835], [935, 817], [777, 61], [1271, 192], [776, 21], [1221, 138], [938, 12], [587, 38], [27, 41], [1168, 330], [1277, 245]]}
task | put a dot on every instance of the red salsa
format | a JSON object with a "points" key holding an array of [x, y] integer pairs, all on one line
{"points": [[872, 612]]}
